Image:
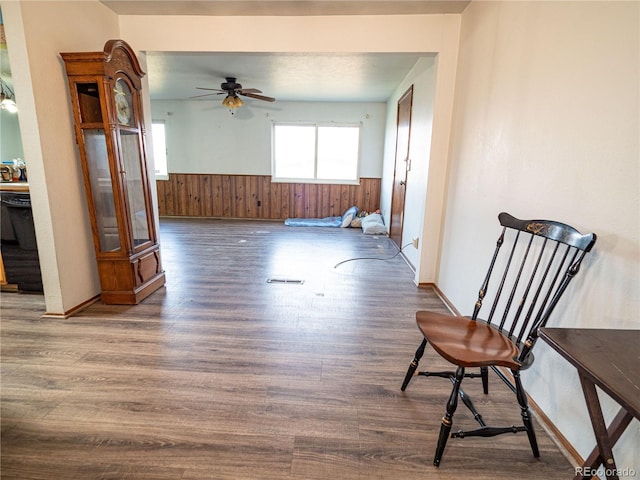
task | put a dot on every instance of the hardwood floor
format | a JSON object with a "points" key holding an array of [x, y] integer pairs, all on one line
{"points": [[222, 375]]}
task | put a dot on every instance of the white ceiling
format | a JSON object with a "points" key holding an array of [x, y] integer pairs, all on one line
{"points": [[362, 77], [287, 77]]}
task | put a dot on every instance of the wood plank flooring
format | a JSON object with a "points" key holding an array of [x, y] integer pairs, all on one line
{"points": [[222, 375]]}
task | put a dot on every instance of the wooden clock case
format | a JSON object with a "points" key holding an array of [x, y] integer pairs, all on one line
{"points": [[107, 108]]}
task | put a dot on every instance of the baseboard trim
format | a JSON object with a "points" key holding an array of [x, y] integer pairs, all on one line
{"points": [[448, 303], [570, 453], [406, 260], [72, 311]]}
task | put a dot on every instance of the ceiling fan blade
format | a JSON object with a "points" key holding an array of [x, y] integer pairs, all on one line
{"points": [[249, 90], [206, 95], [212, 89], [258, 97]]}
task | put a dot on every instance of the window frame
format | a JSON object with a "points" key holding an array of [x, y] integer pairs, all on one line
{"points": [[315, 179]]}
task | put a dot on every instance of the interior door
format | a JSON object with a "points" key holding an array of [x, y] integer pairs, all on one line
{"points": [[401, 166]]}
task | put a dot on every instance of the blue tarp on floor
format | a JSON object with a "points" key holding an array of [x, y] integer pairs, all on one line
{"points": [[314, 222], [343, 221]]}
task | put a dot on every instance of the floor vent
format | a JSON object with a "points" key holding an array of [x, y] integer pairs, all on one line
{"points": [[285, 280]]}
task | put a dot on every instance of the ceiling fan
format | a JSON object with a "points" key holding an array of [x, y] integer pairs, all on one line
{"points": [[232, 89]]}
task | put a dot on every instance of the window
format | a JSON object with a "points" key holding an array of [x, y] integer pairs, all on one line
{"points": [[159, 149], [315, 153]]}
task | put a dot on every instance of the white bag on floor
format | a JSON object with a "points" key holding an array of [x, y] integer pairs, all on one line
{"points": [[373, 225]]}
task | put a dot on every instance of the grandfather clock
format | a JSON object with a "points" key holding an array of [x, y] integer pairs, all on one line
{"points": [[105, 97]]}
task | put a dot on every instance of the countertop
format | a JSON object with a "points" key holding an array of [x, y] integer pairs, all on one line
{"points": [[14, 186]]}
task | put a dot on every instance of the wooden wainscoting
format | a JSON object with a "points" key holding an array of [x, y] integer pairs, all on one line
{"points": [[255, 196]]}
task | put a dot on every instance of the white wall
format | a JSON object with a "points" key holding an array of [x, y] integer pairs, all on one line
{"points": [[204, 137], [332, 33], [10, 142], [37, 31], [546, 126]]}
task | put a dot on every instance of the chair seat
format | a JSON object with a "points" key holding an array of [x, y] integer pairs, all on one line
{"points": [[467, 343]]}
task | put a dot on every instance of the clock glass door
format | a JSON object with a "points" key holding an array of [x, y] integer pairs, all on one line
{"points": [[134, 181], [101, 189]]}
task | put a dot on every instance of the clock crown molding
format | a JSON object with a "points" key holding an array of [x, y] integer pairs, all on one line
{"points": [[111, 49], [117, 57]]}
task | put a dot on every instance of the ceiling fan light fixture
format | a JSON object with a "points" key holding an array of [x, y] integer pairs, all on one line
{"points": [[232, 102], [7, 98], [232, 89], [9, 105]]}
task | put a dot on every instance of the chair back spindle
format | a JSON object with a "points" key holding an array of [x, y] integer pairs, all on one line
{"points": [[485, 283]]}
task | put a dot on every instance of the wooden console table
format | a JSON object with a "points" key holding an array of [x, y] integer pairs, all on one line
{"points": [[610, 360]]}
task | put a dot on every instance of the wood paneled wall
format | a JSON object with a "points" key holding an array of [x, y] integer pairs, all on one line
{"points": [[255, 196]]}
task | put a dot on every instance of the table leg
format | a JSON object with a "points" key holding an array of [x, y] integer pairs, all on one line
{"points": [[604, 453], [615, 430]]}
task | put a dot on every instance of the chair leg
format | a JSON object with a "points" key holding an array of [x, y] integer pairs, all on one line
{"points": [[447, 420], [484, 373], [526, 416], [414, 364]]}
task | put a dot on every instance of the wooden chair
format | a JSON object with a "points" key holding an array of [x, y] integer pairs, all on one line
{"points": [[527, 278]]}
